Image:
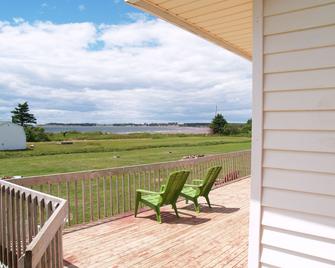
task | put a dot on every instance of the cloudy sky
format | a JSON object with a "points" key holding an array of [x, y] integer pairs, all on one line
{"points": [[102, 61]]}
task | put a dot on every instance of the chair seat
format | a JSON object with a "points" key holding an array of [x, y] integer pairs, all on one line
{"points": [[167, 195], [152, 199], [194, 190], [190, 191]]}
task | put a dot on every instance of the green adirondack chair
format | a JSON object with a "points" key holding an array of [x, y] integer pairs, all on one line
{"points": [[201, 187], [166, 196]]}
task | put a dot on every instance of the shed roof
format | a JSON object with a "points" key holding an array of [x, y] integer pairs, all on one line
{"points": [[228, 23], [6, 123]]}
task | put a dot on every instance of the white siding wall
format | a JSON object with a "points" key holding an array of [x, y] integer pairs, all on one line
{"points": [[297, 215]]}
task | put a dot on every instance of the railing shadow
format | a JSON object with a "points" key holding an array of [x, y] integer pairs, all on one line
{"points": [[204, 208], [171, 218], [68, 264]]}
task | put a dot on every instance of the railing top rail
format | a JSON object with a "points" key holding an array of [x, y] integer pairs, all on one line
{"points": [[33, 180], [34, 194], [57, 213]]}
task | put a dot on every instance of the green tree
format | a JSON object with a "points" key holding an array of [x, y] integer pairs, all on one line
{"points": [[247, 127], [230, 129], [22, 116], [35, 134], [218, 124]]}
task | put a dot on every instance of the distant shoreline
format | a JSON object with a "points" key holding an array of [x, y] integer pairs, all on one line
{"points": [[125, 129], [131, 124]]}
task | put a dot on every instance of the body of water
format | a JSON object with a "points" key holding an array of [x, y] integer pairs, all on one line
{"points": [[126, 129]]}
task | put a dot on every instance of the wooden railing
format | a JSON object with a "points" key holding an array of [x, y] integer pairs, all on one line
{"points": [[99, 194], [30, 227]]}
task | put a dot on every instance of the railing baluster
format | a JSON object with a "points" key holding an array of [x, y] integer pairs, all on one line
{"points": [[139, 179], [83, 199], [117, 194], [30, 219], [91, 199], [48, 252], [35, 219], [8, 246], [42, 216], [23, 221], [76, 200], [4, 226], [123, 194], [61, 246], [105, 196], [159, 179], [58, 189], [134, 185], [13, 230], [111, 194], [129, 195], [53, 253], [58, 262], [2, 223], [98, 196], [68, 201]]}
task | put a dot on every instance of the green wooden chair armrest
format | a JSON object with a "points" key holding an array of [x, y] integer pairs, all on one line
{"points": [[201, 187], [193, 185], [142, 191], [168, 194]]}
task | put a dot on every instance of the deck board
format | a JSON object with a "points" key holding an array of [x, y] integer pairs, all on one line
{"points": [[217, 237]]}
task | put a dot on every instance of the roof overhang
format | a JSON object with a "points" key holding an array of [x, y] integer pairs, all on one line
{"points": [[227, 23]]}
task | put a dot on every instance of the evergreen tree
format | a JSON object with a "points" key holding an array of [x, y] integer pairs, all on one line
{"points": [[218, 124], [22, 116]]}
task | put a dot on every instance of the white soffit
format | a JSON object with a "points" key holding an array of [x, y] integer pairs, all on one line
{"points": [[227, 23]]}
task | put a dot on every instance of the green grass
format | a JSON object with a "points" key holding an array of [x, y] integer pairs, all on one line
{"points": [[74, 135], [51, 157]]}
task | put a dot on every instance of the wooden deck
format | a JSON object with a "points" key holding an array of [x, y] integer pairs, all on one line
{"points": [[217, 237]]}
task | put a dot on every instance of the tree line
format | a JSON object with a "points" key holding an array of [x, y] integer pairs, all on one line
{"points": [[220, 126], [21, 115]]}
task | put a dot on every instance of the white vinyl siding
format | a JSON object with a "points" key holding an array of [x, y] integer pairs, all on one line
{"points": [[322, 99], [287, 259], [308, 79], [298, 175]]}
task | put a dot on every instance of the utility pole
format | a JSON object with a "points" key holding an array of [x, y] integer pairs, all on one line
{"points": [[216, 109]]}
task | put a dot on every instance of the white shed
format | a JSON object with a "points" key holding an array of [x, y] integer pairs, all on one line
{"points": [[12, 137]]}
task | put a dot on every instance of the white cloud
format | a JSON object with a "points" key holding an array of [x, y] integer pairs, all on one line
{"points": [[18, 20], [143, 71]]}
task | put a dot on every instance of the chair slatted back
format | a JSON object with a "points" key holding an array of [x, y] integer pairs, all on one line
{"points": [[174, 186], [211, 176]]}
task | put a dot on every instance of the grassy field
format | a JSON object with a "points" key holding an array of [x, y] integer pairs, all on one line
{"points": [[52, 157]]}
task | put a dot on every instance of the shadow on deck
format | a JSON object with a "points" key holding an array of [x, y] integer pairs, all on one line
{"points": [[217, 237]]}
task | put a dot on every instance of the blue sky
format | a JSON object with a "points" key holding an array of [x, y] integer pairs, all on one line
{"points": [[104, 61], [65, 11]]}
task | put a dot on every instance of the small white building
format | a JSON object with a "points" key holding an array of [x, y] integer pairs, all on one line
{"points": [[12, 137]]}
